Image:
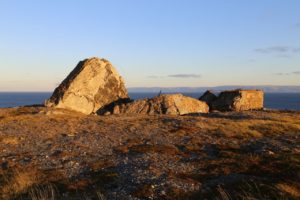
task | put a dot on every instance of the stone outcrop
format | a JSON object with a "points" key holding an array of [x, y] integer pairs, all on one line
{"points": [[172, 104], [93, 84], [239, 100], [208, 97]]}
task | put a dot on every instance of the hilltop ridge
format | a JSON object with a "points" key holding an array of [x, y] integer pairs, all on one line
{"points": [[62, 154]]}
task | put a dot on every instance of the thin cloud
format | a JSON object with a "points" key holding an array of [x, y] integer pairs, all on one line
{"points": [[296, 49], [296, 72], [278, 49], [297, 25], [152, 76], [283, 56], [287, 74], [176, 76], [281, 74], [185, 76]]}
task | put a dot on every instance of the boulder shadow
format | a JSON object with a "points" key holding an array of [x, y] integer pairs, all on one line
{"points": [[110, 107]]}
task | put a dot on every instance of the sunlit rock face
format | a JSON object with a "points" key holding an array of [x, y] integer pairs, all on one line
{"points": [[239, 100], [93, 84], [171, 104]]}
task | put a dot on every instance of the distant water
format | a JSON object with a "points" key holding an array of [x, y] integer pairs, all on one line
{"points": [[290, 101]]}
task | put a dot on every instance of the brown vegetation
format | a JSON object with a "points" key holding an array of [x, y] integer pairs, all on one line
{"points": [[59, 154]]}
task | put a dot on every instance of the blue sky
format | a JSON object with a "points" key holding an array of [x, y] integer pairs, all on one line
{"points": [[166, 43]]}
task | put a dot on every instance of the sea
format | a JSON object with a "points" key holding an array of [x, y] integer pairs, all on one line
{"points": [[282, 101]]}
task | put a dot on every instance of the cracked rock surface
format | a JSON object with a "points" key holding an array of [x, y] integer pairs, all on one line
{"points": [[171, 104], [93, 84]]}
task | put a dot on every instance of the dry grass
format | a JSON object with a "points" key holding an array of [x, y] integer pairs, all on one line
{"points": [[291, 189], [256, 177], [19, 182], [219, 146], [10, 140], [32, 184], [250, 191], [161, 149], [47, 192]]}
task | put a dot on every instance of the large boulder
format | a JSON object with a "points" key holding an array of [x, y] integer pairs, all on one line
{"points": [[208, 97], [172, 104], [239, 100], [93, 84]]}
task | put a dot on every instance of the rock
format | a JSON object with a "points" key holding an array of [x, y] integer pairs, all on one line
{"points": [[93, 84], [172, 104], [208, 97], [239, 100], [113, 107]]}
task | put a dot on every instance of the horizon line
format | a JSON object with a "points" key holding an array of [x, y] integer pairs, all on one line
{"points": [[149, 87]]}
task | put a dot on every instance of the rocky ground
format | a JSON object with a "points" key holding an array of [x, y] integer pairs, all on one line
{"points": [[58, 154]]}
